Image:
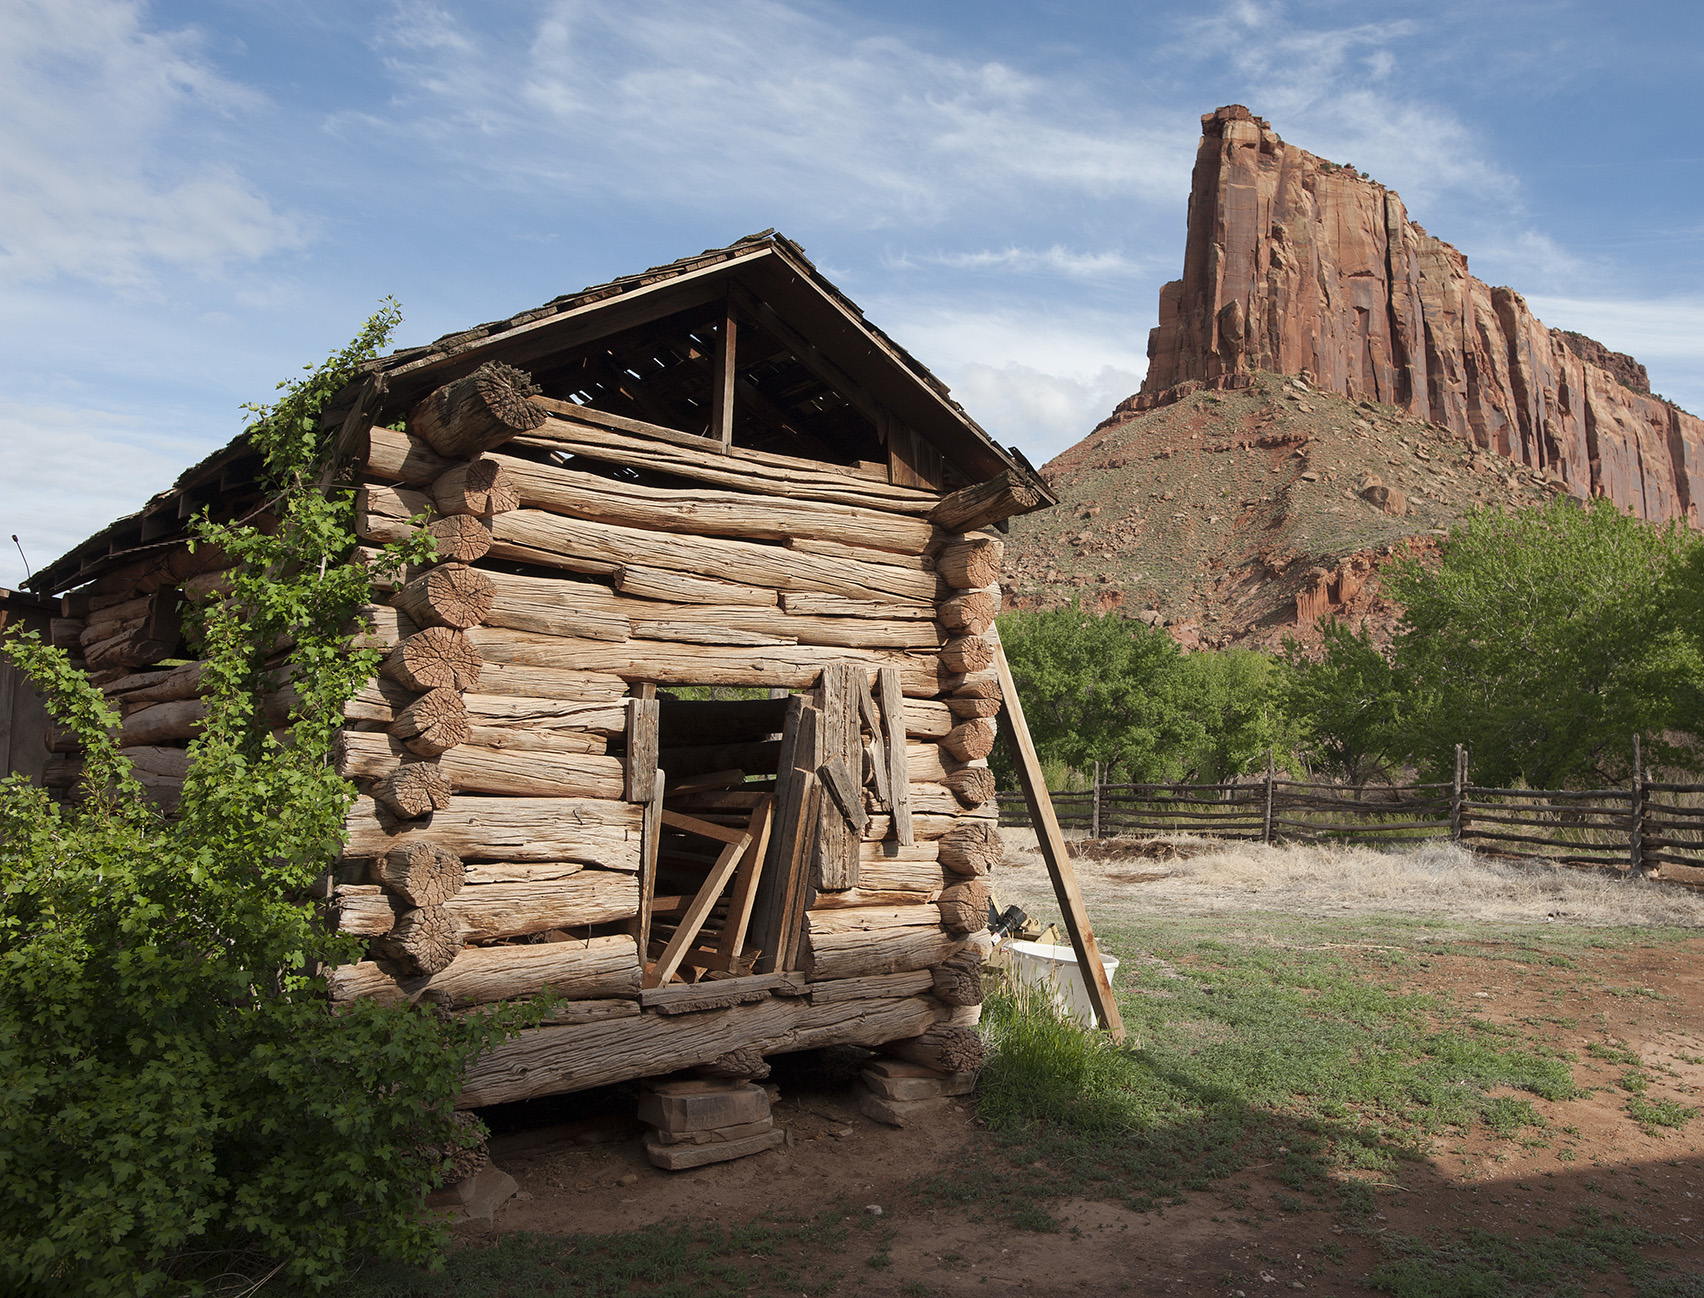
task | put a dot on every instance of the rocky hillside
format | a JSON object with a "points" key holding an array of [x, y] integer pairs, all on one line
{"points": [[1241, 516], [1297, 265]]}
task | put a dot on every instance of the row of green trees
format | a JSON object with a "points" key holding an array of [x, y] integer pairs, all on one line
{"points": [[1542, 640]]}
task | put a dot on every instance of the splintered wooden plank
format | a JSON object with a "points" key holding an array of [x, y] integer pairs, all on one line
{"points": [[899, 771], [703, 828], [1052, 844], [642, 728], [837, 838], [799, 883], [699, 911], [651, 831], [744, 894]]}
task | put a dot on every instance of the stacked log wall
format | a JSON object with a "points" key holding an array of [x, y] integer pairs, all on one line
{"points": [[494, 853]]}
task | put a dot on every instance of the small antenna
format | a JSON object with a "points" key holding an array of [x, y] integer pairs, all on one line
{"points": [[22, 555]]}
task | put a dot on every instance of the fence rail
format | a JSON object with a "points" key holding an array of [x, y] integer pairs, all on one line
{"points": [[1640, 828]]}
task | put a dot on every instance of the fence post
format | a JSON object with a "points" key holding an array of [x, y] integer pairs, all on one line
{"points": [[1094, 815], [1458, 795], [1636, 822], [1266, 819]]}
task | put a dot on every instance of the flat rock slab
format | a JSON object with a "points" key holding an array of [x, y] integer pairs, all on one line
{"points": [[703, 1104], [898, 1079], [715, 1136], [484, 1192], [677, 1158], [899, 1113]]}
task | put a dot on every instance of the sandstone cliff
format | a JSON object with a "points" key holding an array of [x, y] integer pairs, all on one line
{"points": [[1296, 265]]}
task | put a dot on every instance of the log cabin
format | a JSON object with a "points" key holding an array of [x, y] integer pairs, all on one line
{"points": [[688, 724]]}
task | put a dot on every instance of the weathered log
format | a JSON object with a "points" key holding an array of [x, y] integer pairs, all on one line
{"points": [[603, 715], [384, 514], [423, 940], [159, 686], [206, 586], [979, 506], [972, 848], [436, 657], [748, 562], [969, 614], [876, 987], [945, 1049], [378, 626], [928, 825], [471, 768], [958, 979], [970, 564], [684, 588], [397, 457], [971, 785], [480, 873], [860, 953], [525, 739], [964, 906], [478, 412], [422, 874], [559, 607], [804, 603], [970, 740], [983, 684], [460, 537], [590, 830], [433, 723], [934, 799], [600, 967], [414, 789], [872, 919], [744, 470], [920, 880], [862, 896], [487, 912], [972, 707], [526, 681], [967, 653], [452, 594], [702, 512], [363, 909], [547, 1061], [910, 560], [479, 486], [927, 719], [66, 633], [160, 723], [666, 663]]}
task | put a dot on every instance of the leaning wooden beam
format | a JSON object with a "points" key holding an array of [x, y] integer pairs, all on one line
{"points": [[686, 932], [1052, 843], [550, 1061], [973, 508]]}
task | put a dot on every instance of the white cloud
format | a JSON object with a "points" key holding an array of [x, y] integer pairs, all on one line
{"points": [[100, 176], [1038, 379], [702, 105], [70, 472], [1057, 260]]}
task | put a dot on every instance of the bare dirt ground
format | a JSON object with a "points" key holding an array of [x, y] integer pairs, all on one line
{"points": [[1248, 1234]]}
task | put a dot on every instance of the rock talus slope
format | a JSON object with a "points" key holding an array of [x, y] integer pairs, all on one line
{"points": [[1297, 265]]}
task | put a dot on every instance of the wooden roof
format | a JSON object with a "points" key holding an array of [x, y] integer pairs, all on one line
{"points": [[815, 379]]}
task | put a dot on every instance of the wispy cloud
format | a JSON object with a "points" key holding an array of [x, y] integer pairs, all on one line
{"points": [[702, 105], [1666, 334], [100, 176], [1055, 261], [70, 472]]}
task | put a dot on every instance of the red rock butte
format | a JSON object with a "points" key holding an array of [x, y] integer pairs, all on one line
{"points": [[1297, 265]]}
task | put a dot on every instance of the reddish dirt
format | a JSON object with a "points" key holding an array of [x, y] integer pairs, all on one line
{"points": [[1245, 1235]]}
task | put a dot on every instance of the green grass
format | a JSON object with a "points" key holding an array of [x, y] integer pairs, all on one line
{"points": [[1655, 1115], [1482, 1264], [678, 1261], [1251, 1050]]}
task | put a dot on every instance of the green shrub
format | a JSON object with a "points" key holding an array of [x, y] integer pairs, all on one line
{"points": [[177, 1099]]}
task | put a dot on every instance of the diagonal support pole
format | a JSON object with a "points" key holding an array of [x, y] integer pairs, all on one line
{"points": [[1052, 844]]}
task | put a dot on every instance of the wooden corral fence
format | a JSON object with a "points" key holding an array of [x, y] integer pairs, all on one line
{"points": [[1639, 828]]}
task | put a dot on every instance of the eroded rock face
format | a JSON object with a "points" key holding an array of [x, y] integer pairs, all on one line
{"points": [[1297, 265]]}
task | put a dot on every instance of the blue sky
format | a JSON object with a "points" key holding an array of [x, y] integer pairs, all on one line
{"points": [[196, 199]]}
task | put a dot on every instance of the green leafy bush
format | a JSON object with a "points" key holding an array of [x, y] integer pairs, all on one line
{"points": [[177, 1099]]}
